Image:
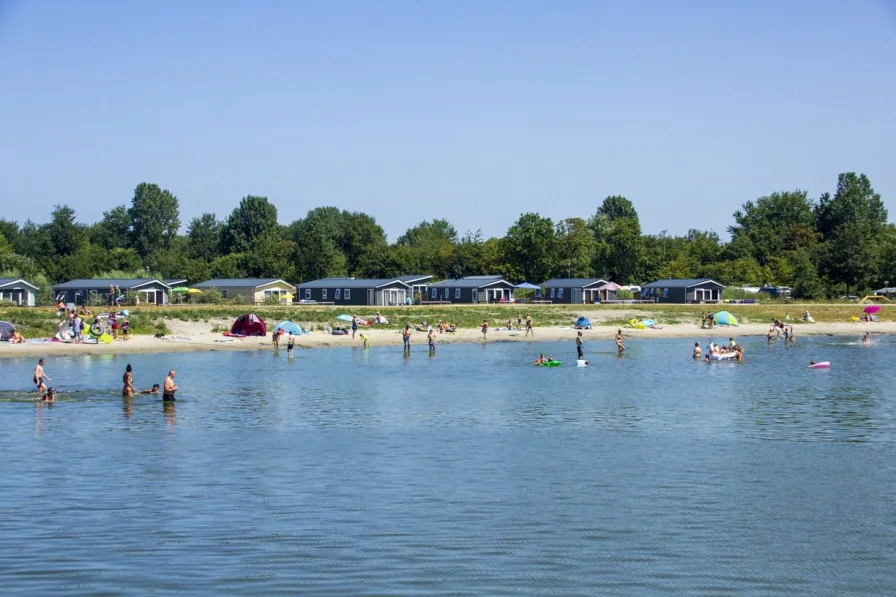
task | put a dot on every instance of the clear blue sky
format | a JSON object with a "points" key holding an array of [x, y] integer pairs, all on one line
{"points": [[473, 111]]}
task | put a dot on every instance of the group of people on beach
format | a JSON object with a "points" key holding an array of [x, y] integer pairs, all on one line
{"points": [[49, 394], [77, 323]]}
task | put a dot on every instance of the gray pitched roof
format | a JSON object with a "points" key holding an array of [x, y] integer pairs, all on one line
{"points": [[471, 282], [679, 283], [572, 282], [350, 283], [410, 278], [174, 281], [11, 281], [99, 284], [238, 283]]}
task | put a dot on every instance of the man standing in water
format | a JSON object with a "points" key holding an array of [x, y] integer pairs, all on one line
{"points": [[406, 337], [40, 376], [170, 387], [619, 344], [580, 348], [431, 337], [290, 345]]}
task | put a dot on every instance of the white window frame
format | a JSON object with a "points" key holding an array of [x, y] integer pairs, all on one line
{"points": [[323, 294], [307, 294], [559, 293], [347, 294], [553, 292], [457, 293], [447, 294]]}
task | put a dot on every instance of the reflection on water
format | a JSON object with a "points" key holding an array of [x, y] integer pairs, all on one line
{"points": [[370, 472]]}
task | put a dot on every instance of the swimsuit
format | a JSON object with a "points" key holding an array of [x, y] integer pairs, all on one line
{"points": [[168, 396]]}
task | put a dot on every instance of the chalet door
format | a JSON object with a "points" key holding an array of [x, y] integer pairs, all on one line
{"points": [[475, 296], [370, 300], [576, 295]]}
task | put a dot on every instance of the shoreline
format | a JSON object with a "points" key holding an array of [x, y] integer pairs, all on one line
{"points": [[185, 341]]}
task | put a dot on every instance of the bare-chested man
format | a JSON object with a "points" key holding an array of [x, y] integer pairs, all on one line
{"points": [[40, 376]]}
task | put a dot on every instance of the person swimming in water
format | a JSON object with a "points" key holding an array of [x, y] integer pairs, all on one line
{"points": [[50, 396], [154, 390], [866, 339], [128, 380]]}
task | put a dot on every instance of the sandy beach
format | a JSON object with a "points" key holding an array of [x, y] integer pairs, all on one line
{"points": [[193, 336]]}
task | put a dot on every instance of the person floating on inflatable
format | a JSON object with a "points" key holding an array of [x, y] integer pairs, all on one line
{"points": [[821, 365]]}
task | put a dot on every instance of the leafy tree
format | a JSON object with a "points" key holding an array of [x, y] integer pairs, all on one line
{"points": [[270, 258], [806, 282], [66, 235], [467, 257], [114, 230], [495, 259], [5, 245], [617, 235], [432, 245], [255, 217], [155, 219], [204, 237], [574, 248], [317, 239], [232, 265], [363, 243], [853, 224], [704, 249], [530, 247], [771, 225], [10, 230]]}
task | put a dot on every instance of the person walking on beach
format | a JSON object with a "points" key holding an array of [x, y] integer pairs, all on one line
{"points": [[290, 345], [431, 338], [406, 337], [580, 346], [619, 344], [275, 339], [484, 329], [128, 380], [529, 329], [170, 387], [40, 375]]}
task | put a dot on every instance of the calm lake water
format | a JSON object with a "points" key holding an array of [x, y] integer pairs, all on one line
{"points": [[351, 472]]}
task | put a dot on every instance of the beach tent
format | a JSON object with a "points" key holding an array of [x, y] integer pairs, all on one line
{"points": [[289, 327], [724, 318], [527, 286], [583, 323], [6, 330], [249, 324]]}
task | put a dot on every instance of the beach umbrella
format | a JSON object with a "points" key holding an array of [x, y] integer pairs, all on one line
{"points": [[724, 318], [180, 289], [194, 291], [872, 309], [344, 317], [6, 330], [288, 327]]}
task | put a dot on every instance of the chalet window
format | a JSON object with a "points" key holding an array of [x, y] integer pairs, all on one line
{"points": [[457, 293], [323, 294], [224, 293], [337, 294], [434, 292], [308, 294], [347, 295], [553, 291], [447, 293], [559, 293]]}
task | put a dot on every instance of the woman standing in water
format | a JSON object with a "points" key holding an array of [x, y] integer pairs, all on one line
{"points": [[128, 380], [619, 344]]}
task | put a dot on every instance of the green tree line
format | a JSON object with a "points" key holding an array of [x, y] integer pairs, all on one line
{"points": [[821, 247]]}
